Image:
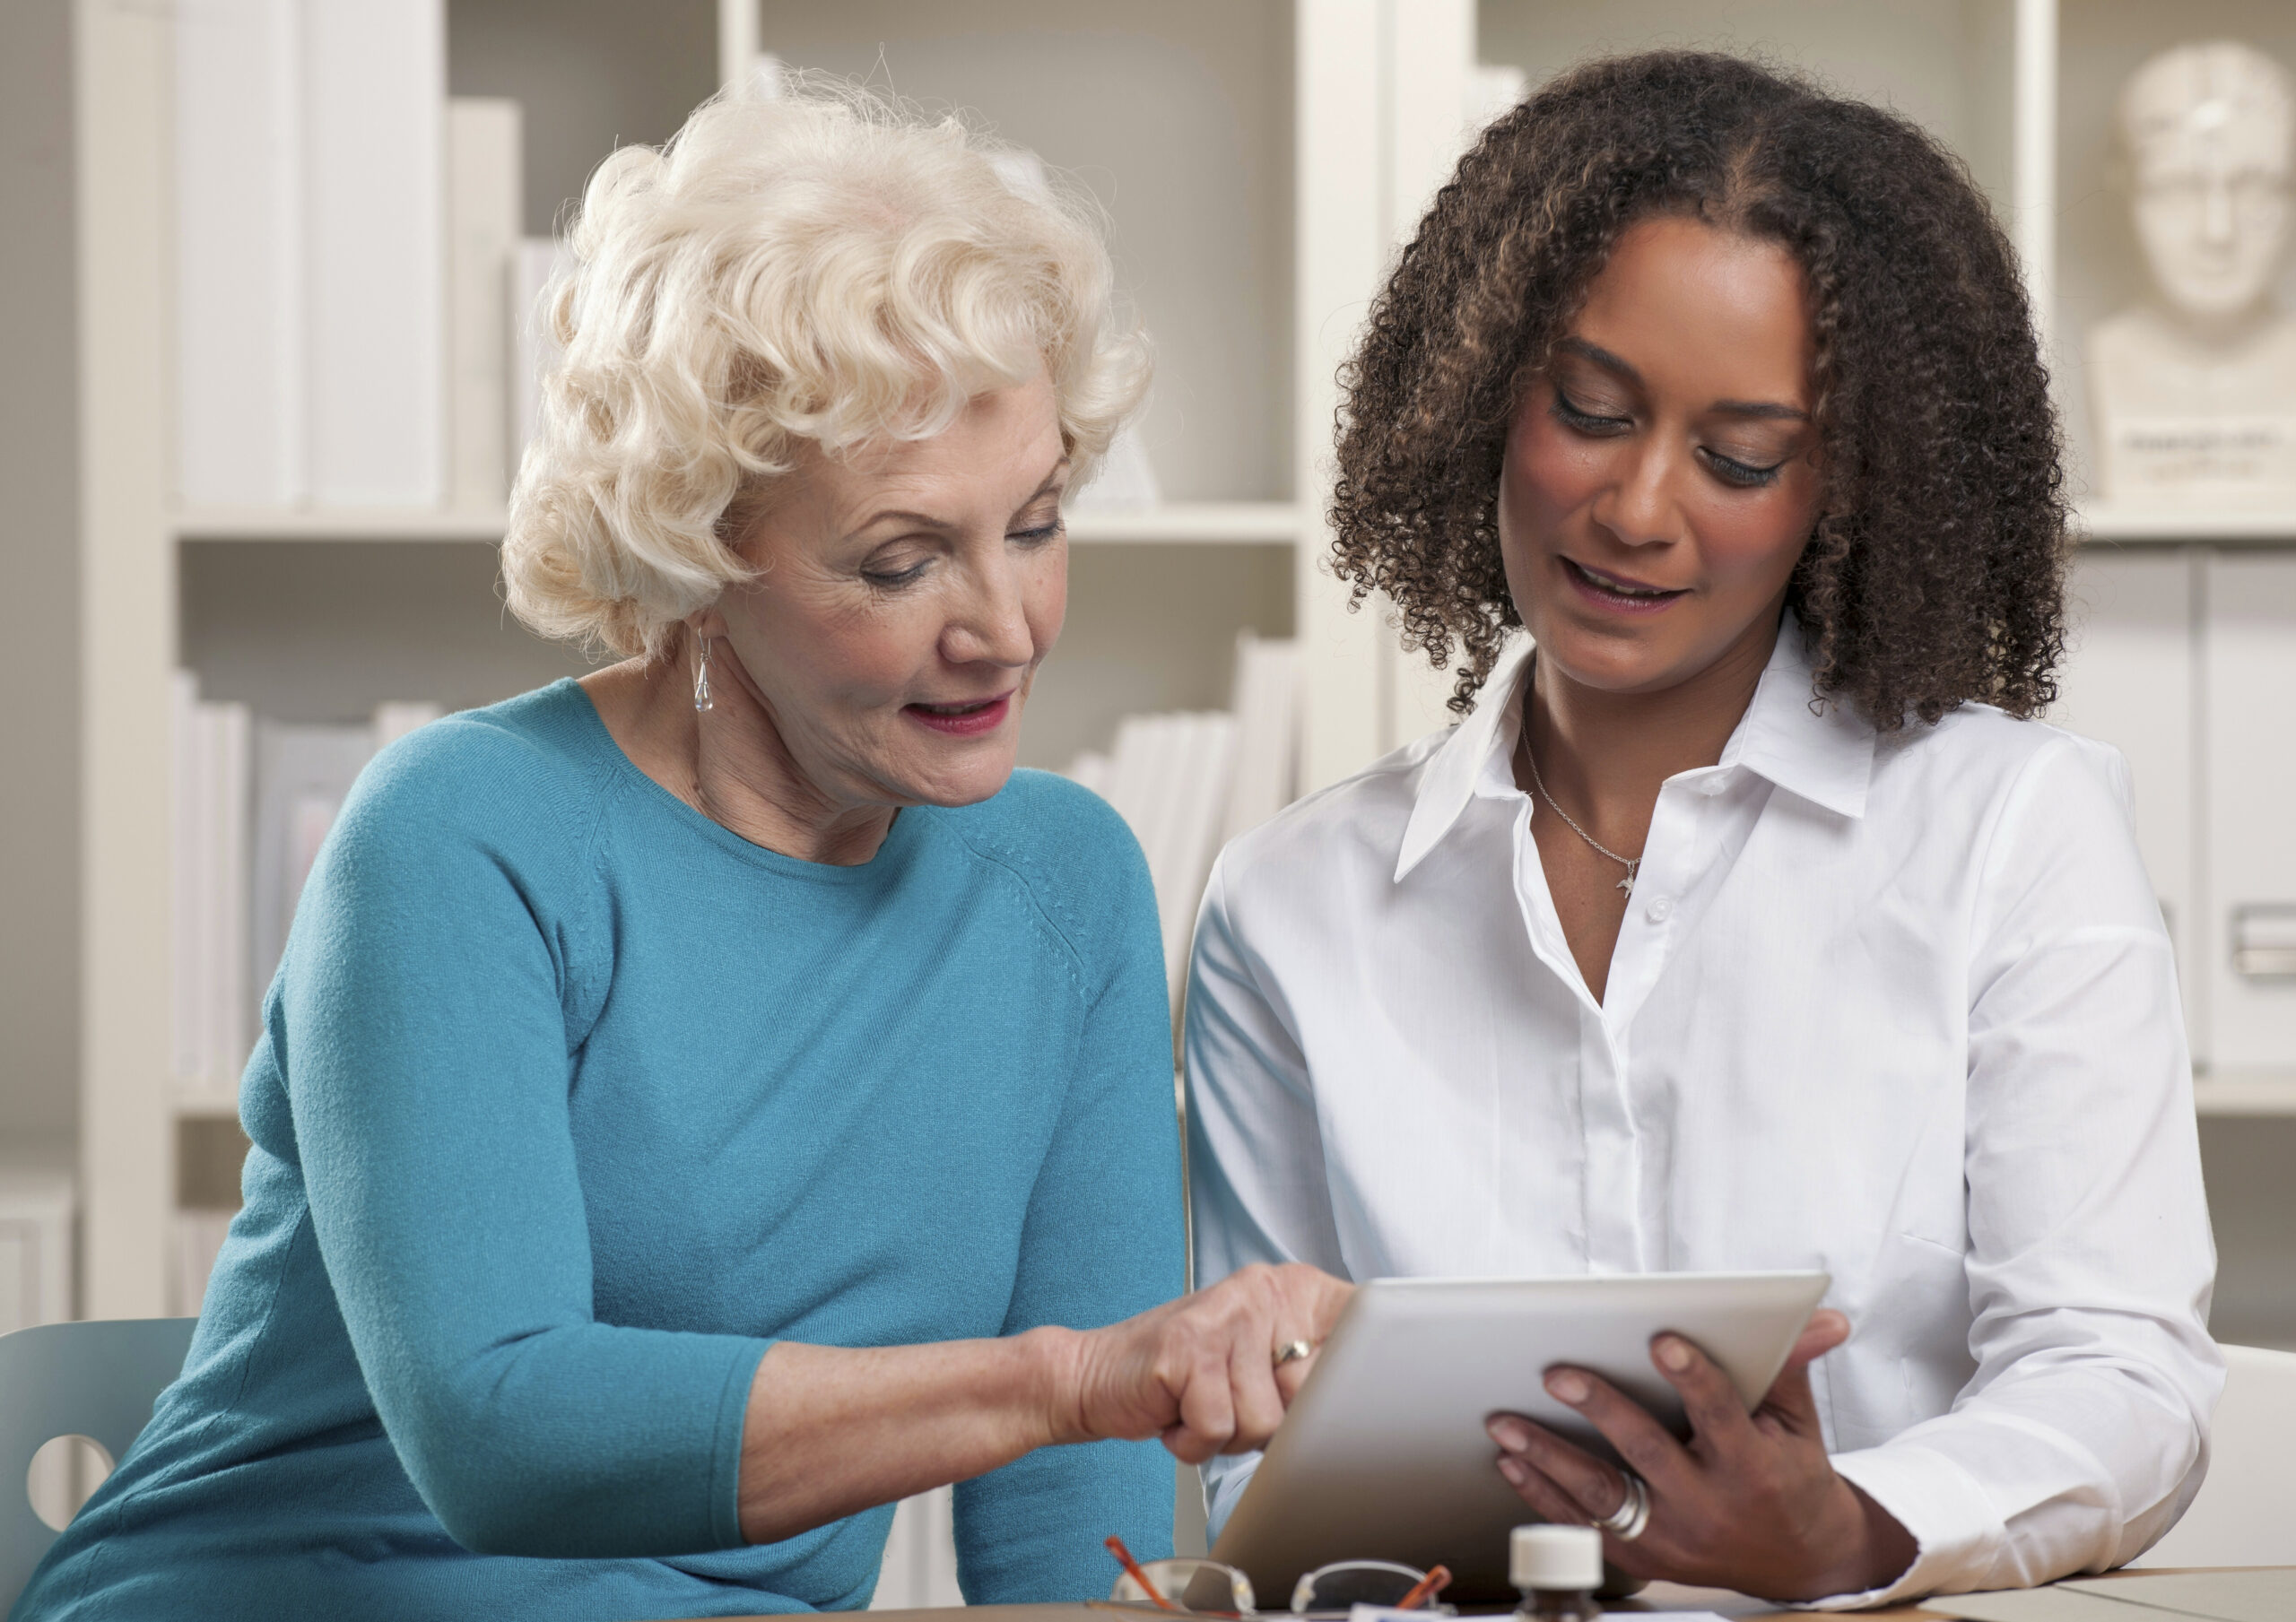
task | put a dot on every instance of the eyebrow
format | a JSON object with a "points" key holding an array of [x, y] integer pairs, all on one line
{"points": [[928, 521], [1760, 410]]}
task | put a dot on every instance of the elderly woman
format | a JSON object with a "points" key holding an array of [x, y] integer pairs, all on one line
{"points": [[706, 1103]]}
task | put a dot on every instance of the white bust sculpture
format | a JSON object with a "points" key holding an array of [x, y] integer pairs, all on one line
{"points": [[2195, 391]]}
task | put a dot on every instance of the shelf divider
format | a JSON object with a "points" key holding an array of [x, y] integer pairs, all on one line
{"points": [[1194, 523], [2102, 521]]}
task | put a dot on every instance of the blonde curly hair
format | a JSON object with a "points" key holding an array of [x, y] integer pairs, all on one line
{"points": [[824, 265]]}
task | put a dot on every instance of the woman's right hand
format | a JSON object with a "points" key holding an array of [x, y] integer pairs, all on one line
{"points": [[1200, 1372]]}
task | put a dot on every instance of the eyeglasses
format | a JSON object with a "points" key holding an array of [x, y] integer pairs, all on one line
{"points": [[1208, 1588]]}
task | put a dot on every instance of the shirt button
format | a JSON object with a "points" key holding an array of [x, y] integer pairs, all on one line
{"points": [[1661, 908], [1712, 786]]}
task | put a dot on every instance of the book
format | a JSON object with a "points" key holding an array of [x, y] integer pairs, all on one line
{"points": [[238, 253], [1187, 782], [186, 892], [231, 1005], [211, 1009], [374, 92], [302, 774], [485, 199], [1266, 705]]}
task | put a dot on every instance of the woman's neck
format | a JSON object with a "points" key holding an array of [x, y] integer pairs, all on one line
{"points": [[1603, 755], [730, 764]]}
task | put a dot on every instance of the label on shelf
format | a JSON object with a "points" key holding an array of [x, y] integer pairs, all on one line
{"points": [[2251, 457]]}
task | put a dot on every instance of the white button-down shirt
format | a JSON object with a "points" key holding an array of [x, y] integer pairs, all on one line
{"points": [[1899, 1007]]}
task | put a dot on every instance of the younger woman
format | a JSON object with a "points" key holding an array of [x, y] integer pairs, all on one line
{"points": [[1747, 919]]}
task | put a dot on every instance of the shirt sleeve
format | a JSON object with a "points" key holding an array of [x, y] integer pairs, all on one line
{"points": [[1255, 1153], [422, 1024], [1103, 1240], [2083, 1435]]}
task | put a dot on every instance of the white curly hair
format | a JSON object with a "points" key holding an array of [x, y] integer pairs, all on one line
{"points": [[823, 266]]}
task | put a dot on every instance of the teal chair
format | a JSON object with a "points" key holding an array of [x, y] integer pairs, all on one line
{"points": [[96, 1380]]}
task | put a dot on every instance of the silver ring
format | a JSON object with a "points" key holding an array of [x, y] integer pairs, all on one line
{"points": [[1292, 1351], [1631, 1518]]}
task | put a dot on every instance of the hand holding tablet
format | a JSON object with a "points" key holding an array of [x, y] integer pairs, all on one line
{"points": [[1749, 1501], [1386, 1454]]}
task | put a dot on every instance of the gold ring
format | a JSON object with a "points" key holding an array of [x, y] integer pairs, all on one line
{"points": [[1292, 1351]]}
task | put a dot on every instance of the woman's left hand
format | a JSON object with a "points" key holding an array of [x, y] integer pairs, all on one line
{"points": [[1751, 1502]]}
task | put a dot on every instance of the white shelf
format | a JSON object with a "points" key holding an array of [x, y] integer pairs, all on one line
{"points": [[1263, 523], [2246, 1093], [337, 524], [2264, 525], [1194, 523]]}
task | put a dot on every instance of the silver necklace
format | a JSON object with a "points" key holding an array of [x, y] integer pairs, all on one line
{"points": [[1629, 862]]}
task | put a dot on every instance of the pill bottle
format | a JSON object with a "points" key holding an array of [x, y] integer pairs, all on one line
{"points": [[1558, 1569]]}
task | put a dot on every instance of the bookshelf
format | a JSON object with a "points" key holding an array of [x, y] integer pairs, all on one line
{"points": [[1259, 164], [1181, 523]]}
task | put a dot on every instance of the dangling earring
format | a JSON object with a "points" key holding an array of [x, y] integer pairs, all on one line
{"points": [[702, 701]]}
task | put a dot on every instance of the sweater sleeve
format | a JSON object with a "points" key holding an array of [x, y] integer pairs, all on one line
{"points": [[2084, 1433], [423, 1024], [1102, 1240]]}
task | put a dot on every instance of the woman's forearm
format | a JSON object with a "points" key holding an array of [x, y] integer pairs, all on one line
{"points": [[831, 1430]]}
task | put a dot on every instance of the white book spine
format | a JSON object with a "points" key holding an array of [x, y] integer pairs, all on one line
{"points": [[375, 112], [1128, 780], [183, 857], [238, 260], [209, 909], [1204, 781], [1268, 733], [235, 1008], [1163, 835], [484, 201]]}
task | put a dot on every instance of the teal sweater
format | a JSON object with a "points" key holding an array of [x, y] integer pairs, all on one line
{"points": [[569, 1102]]}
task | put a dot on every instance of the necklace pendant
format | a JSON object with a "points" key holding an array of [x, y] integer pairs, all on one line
{"points": [[1627, 883]]}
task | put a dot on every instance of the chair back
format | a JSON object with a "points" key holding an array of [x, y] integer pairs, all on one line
{"points": [[2242, 1516], [96, 1380]]}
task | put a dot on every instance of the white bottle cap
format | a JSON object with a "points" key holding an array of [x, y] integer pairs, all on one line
{"points": [[1567, 1558]]}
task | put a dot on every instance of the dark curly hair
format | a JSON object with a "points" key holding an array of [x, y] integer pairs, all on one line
{"points": [[1934, 574]]}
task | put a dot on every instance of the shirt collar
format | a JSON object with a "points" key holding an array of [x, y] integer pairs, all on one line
{"points": [[1823, 754]]}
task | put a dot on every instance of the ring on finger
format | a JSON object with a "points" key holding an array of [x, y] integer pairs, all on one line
{"points": [[1292, 1351], [1632, 1515]]}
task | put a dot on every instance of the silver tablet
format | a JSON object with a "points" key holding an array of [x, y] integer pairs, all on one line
{"points": [[1383, 1454]]}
